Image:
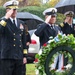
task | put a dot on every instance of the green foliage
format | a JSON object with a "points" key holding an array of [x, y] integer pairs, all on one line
{"points": [[47, 5], [63, 40], [60, 18], [2, 12], [37, 10], [34, 10]]}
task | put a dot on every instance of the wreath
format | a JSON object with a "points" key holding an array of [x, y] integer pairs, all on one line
{"points": [[59, 40]]}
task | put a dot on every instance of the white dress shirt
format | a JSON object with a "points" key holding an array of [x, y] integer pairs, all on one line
{"points": [[13, 19]]}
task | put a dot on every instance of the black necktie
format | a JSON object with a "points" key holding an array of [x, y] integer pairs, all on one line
{"points": [[51, 27], [14, 22], [53, 30]]}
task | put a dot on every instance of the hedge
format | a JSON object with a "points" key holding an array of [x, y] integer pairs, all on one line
{"points": [[2, 12]]}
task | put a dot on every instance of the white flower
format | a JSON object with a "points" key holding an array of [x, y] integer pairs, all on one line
{"points": [[59, 70], [44, 74], [51, 37], [50, 41], [40, 52], [39, 67], [37, 72], [52, 66], [68, 66]]}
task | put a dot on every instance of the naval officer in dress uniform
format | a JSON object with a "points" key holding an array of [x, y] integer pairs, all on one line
{"points": [[13, 41], [49, 28], [67, 26]]}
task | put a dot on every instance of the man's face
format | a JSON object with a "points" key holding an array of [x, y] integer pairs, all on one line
{"points": [[52, 20], [69, 18], [14, 12]]}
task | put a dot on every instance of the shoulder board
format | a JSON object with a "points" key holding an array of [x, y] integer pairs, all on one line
{"points": [[62, 24]]}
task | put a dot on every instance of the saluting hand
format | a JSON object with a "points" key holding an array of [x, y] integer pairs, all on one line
{"points": [[67, 20], [48, 19], [9, 13]]}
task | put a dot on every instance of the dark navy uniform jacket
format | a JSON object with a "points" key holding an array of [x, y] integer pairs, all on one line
{"points": [[67, 29], [0, 46], [44, 31], [13, 40], [28, 39]]}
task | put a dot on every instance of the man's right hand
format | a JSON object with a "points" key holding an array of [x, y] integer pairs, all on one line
{"points": [[48, 19], [8, 14], [67, 19]]}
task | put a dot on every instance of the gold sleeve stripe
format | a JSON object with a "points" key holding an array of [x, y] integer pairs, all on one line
{"points": [[3, 23], [25, 51]]}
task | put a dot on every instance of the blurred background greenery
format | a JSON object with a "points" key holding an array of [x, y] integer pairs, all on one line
{"points": [[35, 7]]}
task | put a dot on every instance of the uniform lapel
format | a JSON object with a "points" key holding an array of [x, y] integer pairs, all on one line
{"points": [[13, 27], [56, 29], [18, 23], [51, 31], [73, 26]]}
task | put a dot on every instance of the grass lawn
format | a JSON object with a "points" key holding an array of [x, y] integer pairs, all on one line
{"points": [[30, 69]]}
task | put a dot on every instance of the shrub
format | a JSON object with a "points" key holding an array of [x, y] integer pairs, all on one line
{"points": [[2, 12]]}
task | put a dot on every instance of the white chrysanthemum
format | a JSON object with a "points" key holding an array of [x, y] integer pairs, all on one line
{"points": [[68, 66], [50, 41], [39, 67], [40, 52], [44, 74], [37, 72], [51, 37]]}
